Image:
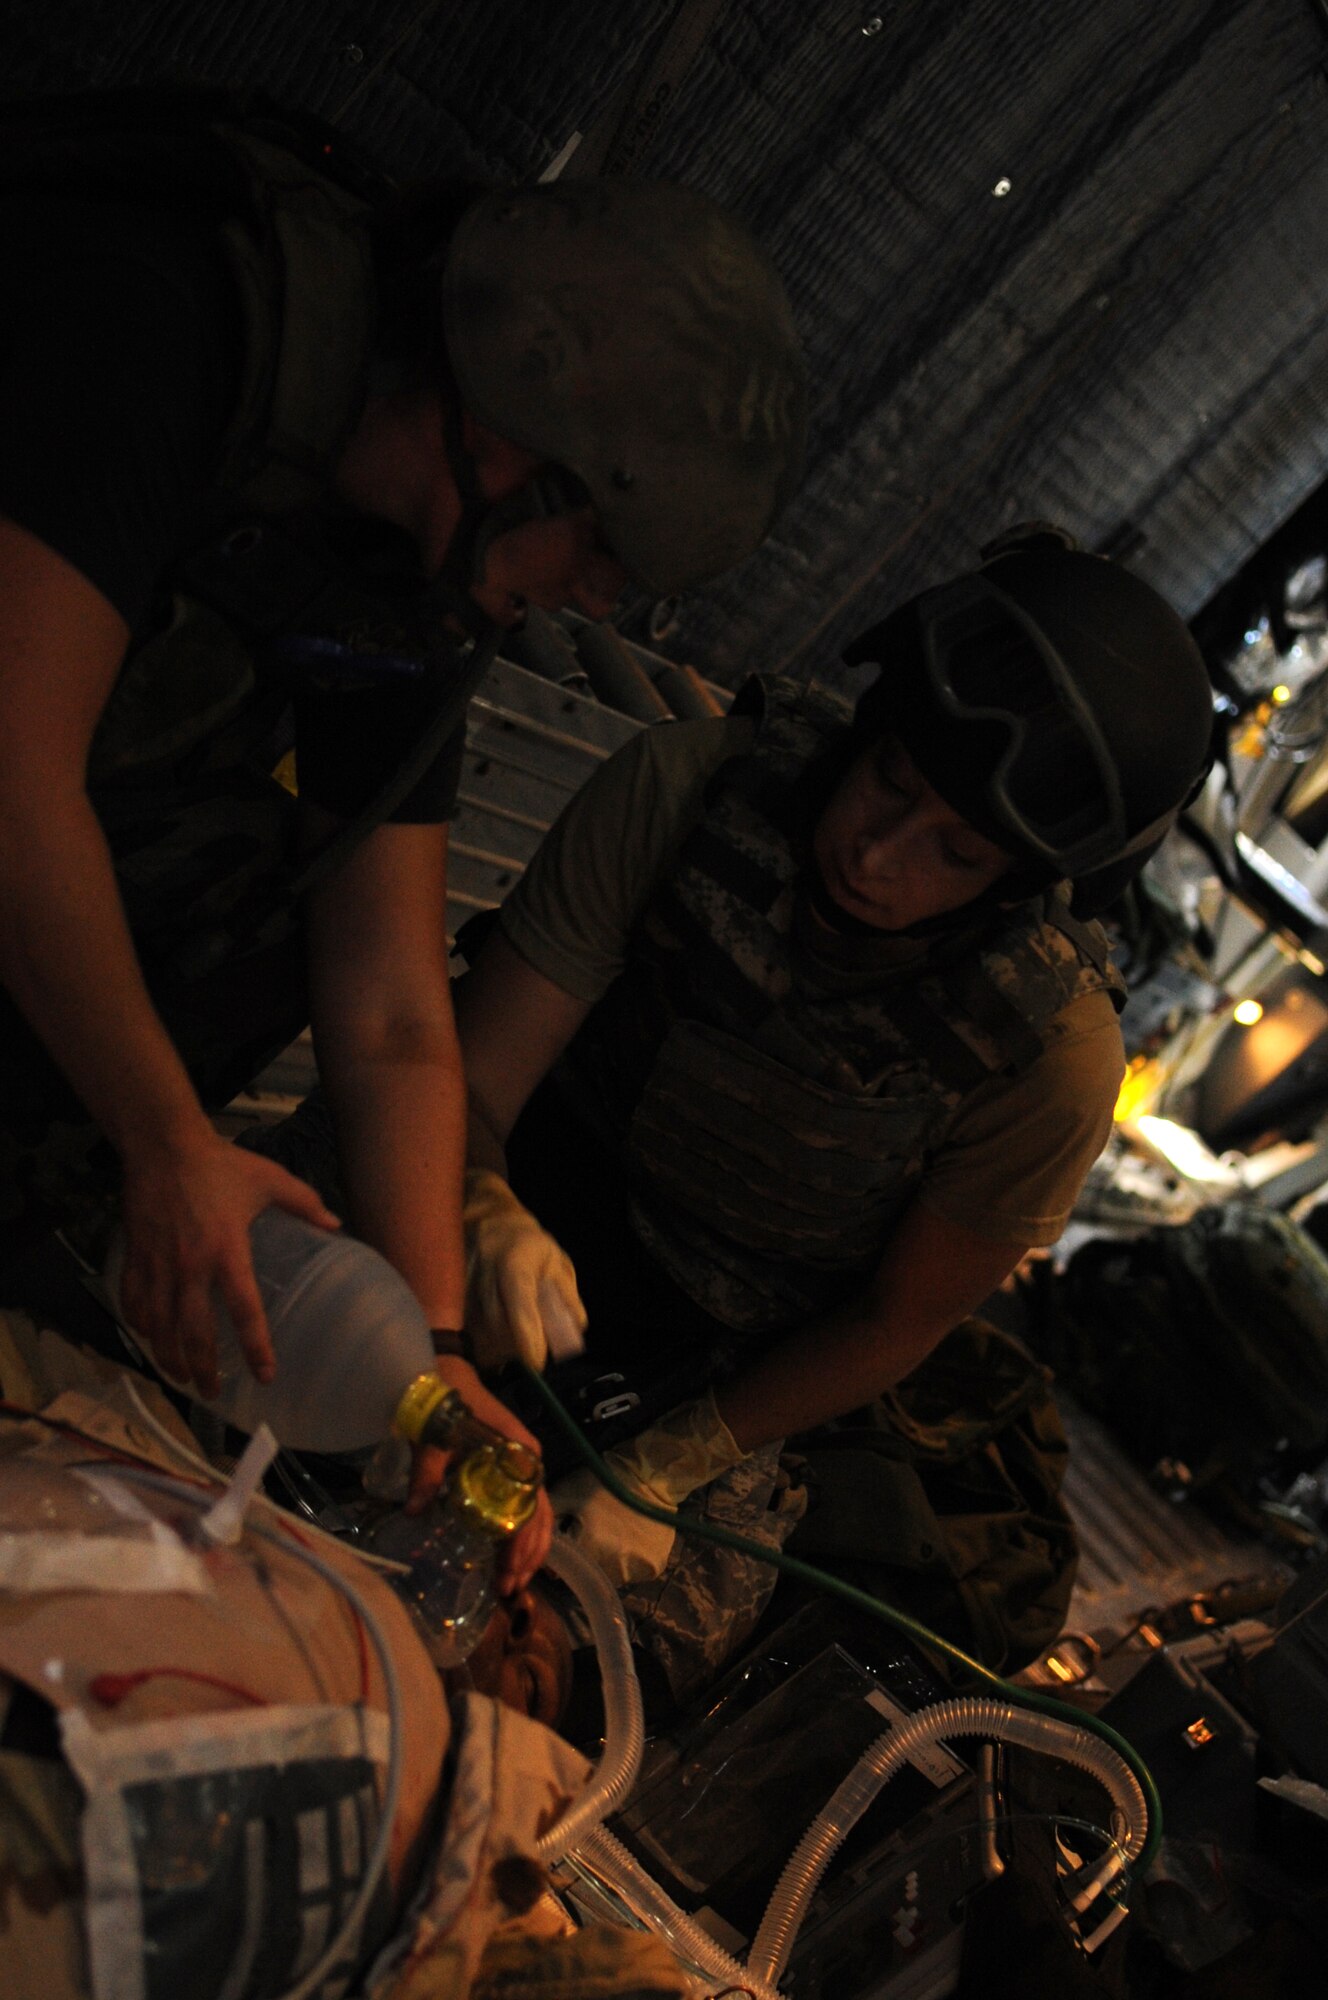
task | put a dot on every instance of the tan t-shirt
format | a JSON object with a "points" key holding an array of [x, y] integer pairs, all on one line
{"points": [[1016, 1153]]}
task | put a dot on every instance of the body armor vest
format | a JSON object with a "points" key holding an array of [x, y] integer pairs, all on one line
{"points": [[776, 1094], [181, 761], [297, 248]]}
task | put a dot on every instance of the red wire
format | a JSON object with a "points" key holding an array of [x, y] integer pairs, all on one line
{"points": [[9, 1409], [111, 1689]]}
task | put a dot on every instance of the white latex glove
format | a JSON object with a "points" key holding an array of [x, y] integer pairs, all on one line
{"points": [[522, 1303], [686, 1449], [626, 1546]]}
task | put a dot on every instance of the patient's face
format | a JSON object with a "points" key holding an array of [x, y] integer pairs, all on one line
{"points": [[525, 1658]]}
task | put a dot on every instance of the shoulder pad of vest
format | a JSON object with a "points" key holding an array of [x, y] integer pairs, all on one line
{"points": [[306, 283], [1038, 963], [290, 215]]}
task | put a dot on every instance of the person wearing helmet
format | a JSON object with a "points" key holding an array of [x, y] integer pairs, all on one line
{"points": [[279, 456], [790, 1036]]}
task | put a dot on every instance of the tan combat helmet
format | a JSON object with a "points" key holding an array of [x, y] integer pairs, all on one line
{"points": [[634, 333]]}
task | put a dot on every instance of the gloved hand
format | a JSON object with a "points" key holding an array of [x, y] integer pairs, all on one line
{"points": [[688, 1448], [522, 1303]]}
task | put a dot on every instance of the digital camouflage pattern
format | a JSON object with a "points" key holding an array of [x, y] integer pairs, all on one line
{"points": [[706, 1604], [777, 1093], [944, 1497]]}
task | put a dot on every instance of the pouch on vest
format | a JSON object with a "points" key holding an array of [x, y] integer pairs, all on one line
{"points": [[944, 1497], [201, 869], [174, 693]]}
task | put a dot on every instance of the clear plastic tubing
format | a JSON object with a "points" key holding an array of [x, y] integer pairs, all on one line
{"points": [[624, 1725], [347, 1937], [976, 1715], [579, 1833], [612, 1862], [347, 1331]]}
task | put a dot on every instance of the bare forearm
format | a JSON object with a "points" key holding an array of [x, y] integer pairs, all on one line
{"points": [[932, 1275], [68, 960], [513, 1025], [829, 1367], [399, 1108], [484, 1146]]}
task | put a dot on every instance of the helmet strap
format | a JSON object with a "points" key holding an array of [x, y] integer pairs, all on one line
{"points": [[482, 522]]}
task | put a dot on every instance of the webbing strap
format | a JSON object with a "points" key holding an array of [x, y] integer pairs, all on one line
{"points": [[926, 1030], [750, 881], [996, 1015], [737, 995], [1088, 939]]}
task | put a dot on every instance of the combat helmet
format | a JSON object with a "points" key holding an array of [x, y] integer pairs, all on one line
{"points": [[635, 334], [1052, 698]]}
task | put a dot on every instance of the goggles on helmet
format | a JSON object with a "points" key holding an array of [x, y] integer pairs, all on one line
{"points": [[1053, 786]]}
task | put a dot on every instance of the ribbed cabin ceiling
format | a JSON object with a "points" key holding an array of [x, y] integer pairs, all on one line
{"points": [[1131, 339]]}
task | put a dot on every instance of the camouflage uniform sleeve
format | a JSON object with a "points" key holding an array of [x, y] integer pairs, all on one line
{"points": [[572, 912], [1016, 1154]]}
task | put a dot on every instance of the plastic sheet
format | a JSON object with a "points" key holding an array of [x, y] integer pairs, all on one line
{"points": [[89, 1535]]}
